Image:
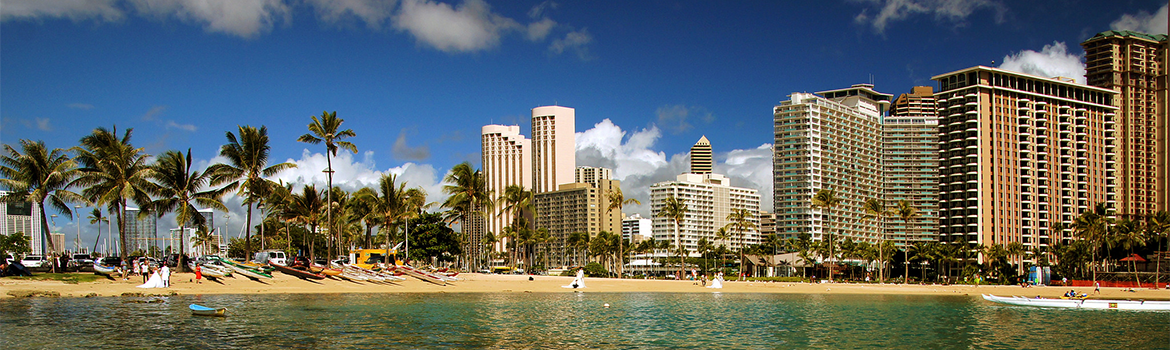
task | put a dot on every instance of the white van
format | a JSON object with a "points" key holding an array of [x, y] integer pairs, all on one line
{"points": [[270, 255]]}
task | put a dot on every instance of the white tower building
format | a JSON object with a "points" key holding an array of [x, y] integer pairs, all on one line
{"points": [[553, 147]]}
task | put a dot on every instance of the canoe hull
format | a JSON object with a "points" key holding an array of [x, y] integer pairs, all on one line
{"points": [[1100, 304], [296, 273], [200, 310]]}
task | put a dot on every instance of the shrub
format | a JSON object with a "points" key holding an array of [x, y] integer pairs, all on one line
{"points": [[595, 270]]}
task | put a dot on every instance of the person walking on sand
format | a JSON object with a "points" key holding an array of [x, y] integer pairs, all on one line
{"points": [[198, 274], [165, 273], [1097, 287]]}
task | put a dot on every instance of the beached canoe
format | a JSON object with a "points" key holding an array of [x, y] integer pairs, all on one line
{"points": [[111, 271], [201, 310], [295, 272], [422, 275], [1104, 304], [322, 270], [244, 270], [212, 271]]}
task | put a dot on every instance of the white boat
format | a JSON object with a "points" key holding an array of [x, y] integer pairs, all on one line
{"points": [[422, 275], [111, 271], [1105, 304]]}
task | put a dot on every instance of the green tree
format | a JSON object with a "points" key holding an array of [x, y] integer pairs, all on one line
{"points": [[617, 200], [906, 212], [1093, 226], [1158, 227], [177, 187], [114, 172], [520, 204], [326, 129], [37, 176], [394, 202], [245, 170], [96, 217], [433, 239], [467, 199], [579, 241], [305, 209], [875, 209], [740, 221], [1130, 235], [827, 199], [16, 243], [675, 210]]}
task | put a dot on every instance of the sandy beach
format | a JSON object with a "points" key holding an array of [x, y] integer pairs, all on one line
{"points": [[183, 284]]}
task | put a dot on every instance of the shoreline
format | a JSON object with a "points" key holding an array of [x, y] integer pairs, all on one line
{"points": [[183, 284]]}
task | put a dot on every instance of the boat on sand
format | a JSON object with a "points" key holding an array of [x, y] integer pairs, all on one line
{"points": [[419, 274], [244, 270], [1104, 304], [302, 274]]}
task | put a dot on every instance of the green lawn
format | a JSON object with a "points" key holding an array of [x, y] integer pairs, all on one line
{"points": [[63, 277]]}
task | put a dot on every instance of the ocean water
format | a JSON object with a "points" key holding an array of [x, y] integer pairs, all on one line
{"points": [[570, 320]]}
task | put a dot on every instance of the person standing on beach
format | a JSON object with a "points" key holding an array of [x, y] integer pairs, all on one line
{"points": [[198, 274], [1097, 289], [165, 273]]}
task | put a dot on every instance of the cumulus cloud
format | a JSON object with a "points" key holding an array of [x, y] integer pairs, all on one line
{"points": [[468, 27], [76, 10], [637, 165], [171, 124], [243, 18], [539, 30], [576, 41], [373, 12], [1143, 21], [81, 106], [402, 151], [43, 124], [540, 9], [1052, 61], [153, 112], [953, 11]]}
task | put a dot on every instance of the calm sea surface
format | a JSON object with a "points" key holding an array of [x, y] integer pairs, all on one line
{"points": [[570, 320]]}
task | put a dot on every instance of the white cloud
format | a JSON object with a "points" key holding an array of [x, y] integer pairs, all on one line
{"points": [[954, 11], [373, 12], [576, 41], [76, 10], [243, 18], [637, 165], [43, 124], [1143, 22], [402, 151], [539, 30], [81, 106], [539, 10], [187, 127], [469, 27], [1052, 61], [153, 112]]}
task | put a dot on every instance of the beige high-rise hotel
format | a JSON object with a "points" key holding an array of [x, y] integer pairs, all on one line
{"points": [[506, 162], [1133, 64], [1020, 153], [554, 147]]}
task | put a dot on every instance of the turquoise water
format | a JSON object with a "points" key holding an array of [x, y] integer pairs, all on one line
{"points": [[570, 320]]}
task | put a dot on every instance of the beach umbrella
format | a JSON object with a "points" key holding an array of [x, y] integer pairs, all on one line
{"points": [[1133, 257]]}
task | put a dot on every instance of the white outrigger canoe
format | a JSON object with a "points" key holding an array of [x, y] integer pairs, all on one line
{"points": [[422, 275], [1104, 304]]}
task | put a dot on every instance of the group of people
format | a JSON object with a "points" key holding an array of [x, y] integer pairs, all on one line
{"points": [[152, 276]]}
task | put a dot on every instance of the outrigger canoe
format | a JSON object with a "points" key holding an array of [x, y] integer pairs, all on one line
{"points": [[206, 311], [1104, 304], [111, 271], [422, 275], [244, 270], [302, 274], [212, 271]]}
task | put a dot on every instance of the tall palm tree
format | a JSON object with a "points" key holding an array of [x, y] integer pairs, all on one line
{"points": [[394, 202], [36, 176], [578, 240], [1158, 226], [875, 209], [724, 236], [1131, 235], [246, 169], [326, 129], [114, 172], [305, 209], [905, 211], [96, 217], [827, 199], [739, 221], [617, 200], [467, 200], [1094, 226], [675, 210], [519, 203], [362, 207], [177, 186]]}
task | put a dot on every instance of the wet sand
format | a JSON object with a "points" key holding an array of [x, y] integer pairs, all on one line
{"points": [[183, 284]]}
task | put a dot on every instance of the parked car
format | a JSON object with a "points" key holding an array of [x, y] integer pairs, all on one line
{"points": [[111, 261], [33, 261], [80, 261]]}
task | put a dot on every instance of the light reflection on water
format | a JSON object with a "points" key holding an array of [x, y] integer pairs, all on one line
{"points": [[569, 320]]}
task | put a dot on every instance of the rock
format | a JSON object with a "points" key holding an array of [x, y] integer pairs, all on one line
{"points": [[33, 293]]}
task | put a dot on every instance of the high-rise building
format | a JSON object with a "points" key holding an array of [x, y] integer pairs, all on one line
{"points": [[910, 166], [1020, 153], [141, 232], [636, 228], [830, 140], [553, 147], [767, 224], [1133, 65], [709, 198], [701, 161], [591, 175], [575, 207], [506, 162], [23, 217], [58, 243]]}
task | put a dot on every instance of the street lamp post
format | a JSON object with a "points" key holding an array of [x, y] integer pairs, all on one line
{"points": [[77, 242]]}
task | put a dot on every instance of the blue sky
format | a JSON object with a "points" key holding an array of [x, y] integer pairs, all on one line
{"points": [[416, 79]]}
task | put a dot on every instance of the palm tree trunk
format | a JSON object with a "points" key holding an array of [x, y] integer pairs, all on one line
{"points": [[248, 234], [99, 236], [121, 213]]}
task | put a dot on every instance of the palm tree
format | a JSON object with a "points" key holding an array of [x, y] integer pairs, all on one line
{"points": [[467, 198], [675, 210], [245, 170], [113, 172], [827, 199], [579, 241], [305, 210], [1130, 235], [394, 202], [95, 217], [705, 248], [875, 209], [1158, 226], [616, 201], [36, 176], [325, 130], [1016, 250], [905, 211], [362, 208], [740, 220], [1094, 226], [177, 187], [518, 202]]}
